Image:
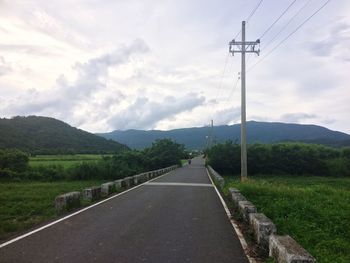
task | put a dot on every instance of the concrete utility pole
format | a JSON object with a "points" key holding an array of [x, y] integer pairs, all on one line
{"points": [[211, 133], [244, 47]]}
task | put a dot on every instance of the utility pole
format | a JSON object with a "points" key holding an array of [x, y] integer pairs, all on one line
{"points": [[211, 133], [244, 47]]}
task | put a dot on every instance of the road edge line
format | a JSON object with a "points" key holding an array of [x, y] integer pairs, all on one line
{"points": [[74, 214], [233, 223]]}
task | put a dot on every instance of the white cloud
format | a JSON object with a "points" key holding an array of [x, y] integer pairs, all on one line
{"points": [[297, 117], [4, 67], [56, 60], [145, 113], [75, 100]]}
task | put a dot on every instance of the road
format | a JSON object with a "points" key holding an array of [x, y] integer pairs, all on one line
{"points": [[175, 218]]}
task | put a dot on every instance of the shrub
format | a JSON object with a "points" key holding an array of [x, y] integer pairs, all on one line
{"points": [[164, 153], [282, 158], [226, 158], [14, 164], [14, 160]]}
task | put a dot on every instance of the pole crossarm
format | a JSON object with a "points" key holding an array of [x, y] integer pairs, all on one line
{"points": [[246, 47]]}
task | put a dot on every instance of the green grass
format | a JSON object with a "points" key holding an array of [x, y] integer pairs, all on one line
{"points": [[26, 204], [315, 211], [64, 160], [184, 162]]}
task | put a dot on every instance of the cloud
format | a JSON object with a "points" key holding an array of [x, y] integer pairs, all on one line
{"points": [[41, 40], [145, 113], [33, 50], [68, 99], [227, 116], [338, 40], [4, 67], [297, 117]]}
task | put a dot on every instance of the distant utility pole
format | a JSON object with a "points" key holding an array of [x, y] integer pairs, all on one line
{"points": [[211, 133], [244, 47]]}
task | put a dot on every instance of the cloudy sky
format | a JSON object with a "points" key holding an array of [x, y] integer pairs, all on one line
{"points": [[102, 65]]}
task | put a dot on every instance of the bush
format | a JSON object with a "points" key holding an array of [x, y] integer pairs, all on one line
{"points": [[163, 153], [225, 158], [282, 158], [13, 160]]}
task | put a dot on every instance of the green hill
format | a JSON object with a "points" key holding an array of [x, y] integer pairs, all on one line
{"points": [[264, 132], [42, 135]]}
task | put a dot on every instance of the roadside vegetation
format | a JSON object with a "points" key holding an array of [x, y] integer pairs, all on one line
{"points": [[315, 211], [18, 166], [26, 204], [304, 189], [282, 158], [66, 161], [29, 185]]}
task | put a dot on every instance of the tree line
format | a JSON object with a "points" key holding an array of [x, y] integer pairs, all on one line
{"points": [[162, 153], [281, 158]]}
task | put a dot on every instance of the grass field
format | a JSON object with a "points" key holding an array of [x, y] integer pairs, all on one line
{"points": [[26, 204], [184, 162], [315, 211], [64, 160]]}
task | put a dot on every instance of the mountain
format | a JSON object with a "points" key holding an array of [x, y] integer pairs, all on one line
{"points": [[44, 135], [264, 132]]}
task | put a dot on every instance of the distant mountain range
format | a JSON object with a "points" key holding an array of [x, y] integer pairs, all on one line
{"points": [[264, 132], [44, 135]]}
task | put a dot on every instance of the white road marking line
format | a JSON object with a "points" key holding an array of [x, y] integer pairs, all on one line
{"points": [[74, 214], [179, 184], [233, 223]]}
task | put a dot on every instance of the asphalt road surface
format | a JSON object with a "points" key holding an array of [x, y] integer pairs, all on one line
{"points": [[175, 218]]}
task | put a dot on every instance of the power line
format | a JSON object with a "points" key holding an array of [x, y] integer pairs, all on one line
{"points": [[234, 88], [285, 11], [254, 10], [222, 76], [286, 24], [288, 36], [249, 17]]}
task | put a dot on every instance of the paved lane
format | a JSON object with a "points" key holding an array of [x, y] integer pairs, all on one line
{"points": [[153, 223]]}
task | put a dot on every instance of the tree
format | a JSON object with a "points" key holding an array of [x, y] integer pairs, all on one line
{"points": [[14, 160], [163, 153]]}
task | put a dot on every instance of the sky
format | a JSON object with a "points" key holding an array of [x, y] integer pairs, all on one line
{"points": [[103, 65]]}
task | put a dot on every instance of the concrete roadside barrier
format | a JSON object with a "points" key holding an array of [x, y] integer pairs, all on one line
{"points": [[92, 193], [137, 179], [72, 200], [217, 177], [144, 177], [107, 188], [67, 201], [118, 183], [263, 228], [236, 198], [246, 208], [233, 190], [285, 249], [128, 181], [149, 176]]}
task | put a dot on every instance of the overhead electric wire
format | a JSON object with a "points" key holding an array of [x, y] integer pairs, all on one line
{"points": [[254, 10], [234, 88], [287, 24], [288, 36], [249, 17], [285, 11], [247, 20], [222, 76]]}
